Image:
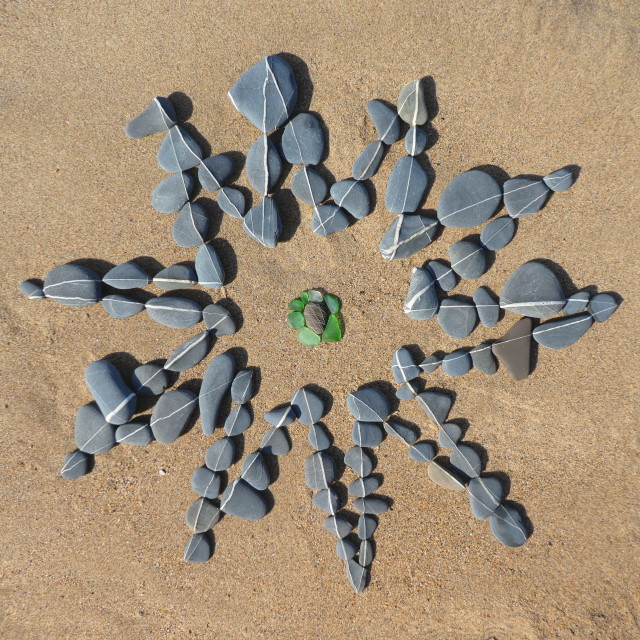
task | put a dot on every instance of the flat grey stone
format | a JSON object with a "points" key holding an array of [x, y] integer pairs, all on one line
{"points": [[498, 233], [149, 380], [137, 433], [457, 363], [319, 470], [238, 421], [485, 496], [524, 197], [119, 306], [178, 151], [513, 350], [422, 452], [576, 303], [602, 306], [406, 186], [422, 301], [368, 405], [318, 437], [345, 549], [328, 219], [338, 526], [303, 140], [385, 120], [266, 93], [255, 471], [559, 180], [352, 196], [444, 276], [507, 526], [209, 270], [367, 524], [443, 477], [362, 487], [213, 172], [73, 285], [189, 353], [276, 442], [403, 366], [128, 275], [160, 115], [231, 201], [466, 460], [457, 318], [172, 193], [370, 505], [262, 223], [356, 575], [190, 226], [171, 414], [76, 464], [407, 391], [365, 554], [309, 186], [470, 199], [430, 363], [220, 455], [280, 417], [307, 406], [435, 404], [468, 259], [206, 483], [240, 499], [263, 165], [218, 320], [487, 307], [198, 548], [93, 434], [177, 313], [177, 276], [114, 398], [326, 500], [400, 432], [449, 435], [407, 235], [31, 290], [483, 359], [215, 384], [412, 107], [415, 142], [202, 515], [533, 290], [358, 460], [558, 334], [242, 387], [366, 434], [367, 163]]}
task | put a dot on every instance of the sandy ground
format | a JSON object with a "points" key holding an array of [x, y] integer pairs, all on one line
{"points": [[528, 89]]}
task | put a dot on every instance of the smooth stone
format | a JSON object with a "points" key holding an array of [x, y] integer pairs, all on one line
{"points": [[215, 384], [408, 391], [137, 433], [400, 432], [198, 548], [367, 524], [218, 320], [160, 115], [602, 306], [558, 334], [385, 120], [370, 505], [315, 316], [367, 163], [276, 442], [190, 226], [280, 417], [303, 140], [362, 487], [201, 515], [345, 549], [498, 233], [328, 219], [263, 165], [365, 555], [412, 107], [513, 350], [483, 359], [266, 93], [559, 180], [466, 460], [444, 477], [177, 276], [576, 303], [238, 421], [262, 223], [76, 464], [128, 275], [415, 142], [309, 186], [533, 290], [315, 296], [119, 306], [327, 500], [430, 363], [486, 306], [240, 499], [421, 302], [403, 366], [422, 452], [407, 235], [232, 202], [406, 186], [524, 197], [366, 434], [220, 455], [209, 270], [178, 151], [213, 172], [368, 405], [507, 526], [358, 460], [435, 404], [255, 471], [242, 387], [189, 353], [449, 435], [93, 434], [444, 276], [469, 200], [73, 285], [177, 313], [468, 259], [318, 437], [149, 380], [356, 575], [352, 196], [171, 414], [172, 193], [485, 496], [457, 318], [338, 526], [319, 471], [114, 398], [457, 363], [31, 290], [307, 406], [206, 483]]}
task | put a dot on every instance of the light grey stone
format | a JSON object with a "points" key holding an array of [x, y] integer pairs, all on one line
{"points": [[430, 363], [178, 151], [262, 223], [352, 196], [338, 526], [468, 259], [220, 455], [218, 320], [559, 180], [457, 318], [149, 380], [415, 142], [602, 306], [31, 290], [73, 285], [406, 186], [189, 353], [435, 404], [457, 363], [362, 487], [533, 290], [371, 505], [558, 334], [498, 233], [238, 421], [160, 115], [213, 172], [198, 548], [76, 464], [255, 471], [358, 460], [345, 549], [177, 276], [368, 405], [119, 306], [303, 140], [367, 163], [171, 414], [128, 275], [190, 226], [403, 366], [309, 186], [263, 165], [407, 235], [444, 276], [385, 120], [422, 452], [209, 270], [242, 387], [524, 197], [137, 433], [445, 478], [114, 398], [485, 496], [412, 107], [215, 384], [513, 350], [367, 524], [487, 307], [318, 437], [400, 432], [576, 303], [366, 434], [327, 500], [356, 575], [206, 483], [407, 391], [172, 193], [328, 219], [466, 460], [307, 406], [240, 499], [202, 515], [93, 434], [470, 199], [276, 442], [422, 301], [177, 313], [319, 470], [280, 417], [231, 201], [483, 359], [507, 526]]}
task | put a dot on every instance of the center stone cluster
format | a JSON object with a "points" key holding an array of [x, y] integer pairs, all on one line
{"points": [[316, 318]]}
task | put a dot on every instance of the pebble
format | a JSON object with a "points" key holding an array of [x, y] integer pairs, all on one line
{"points": [[172, 193], [533, 290], [498, 233], [403, 366], [119, 306], [345, 549], [485, 495], [328, 219], [412, 107], [338, 526], [177, 313], [238, 421], [576, 303], [559, 180], [189, 353], [352, 196], [483, 359], [358, 460], [470, 199], [385, 120], [370, 505], [449, 435], [240, 499], [407, 391], [128, 275], [190, 226], [309, 186], [435, 404], [444, 275], [76, 464], [231, 201], [356, 575], [457, 318], [242, 387], [468, 259], [407, 235], [198, 548], [266, 94], [206, 483], [255, 471], [486, 306], [171, 414], [368, 405], [422, 301], [137, 433], [366, 434], [558, 334], [202, 515], [149, 380], [415, 142], [220, 455], [280, 417], [466, 460], [213, 172], [367, 524], [262, 223], [319, 470], [507, 526], [326, 500], [178, 151], [365, 556], [73, 285], [444, 477], [114, 398], [524, 197], [457, 363], [367, 163], [218, 320], [430, 363], [406, 186], [31, 290], [160, 115], [422, 452], [307, 406], [276, 442], [210, 273], [215, 384], [177, 276], [400, 432], [303, 140], [263, 165], [316, 315], [602, 306], [93, 434], [513, 350], [318, 437], [362, 487]]}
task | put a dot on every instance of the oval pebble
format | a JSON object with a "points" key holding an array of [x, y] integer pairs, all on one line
{"points": [[487, 307], [220, 455], [365, 554], [73, 285], [171, 414], [385, 120], [421, 302], [276, 442], [576, 303], [242, 387], [137, 433], [177, 313], [356, 575], [415, 142], [602, 306], [309, 186], [406, 186], [172, 193], [468, 259], [206, 483], [255, 471], [238, 421], [328, 219], [403, 366], [366, 434], [160, 115], [470, 199], [240, 499], [338, 526], [407, 391], [218, 320], [31, 290], [422, 452], [507, 526], [198, 548], [119, 306], [449, 435], [370, 505], [457, 318], [319, 439], [128, 275], [345, 549], [559, 180], [280, 417], [213, 172], [201, 515], [232, 202], [189, 353], [457, 363], [114, 398], [367, 524], [177, 276], [178, 151], [262, 223], [558, 334], [263, 165], [485, 495], [533, 290], [524, 197], [362, 487], [307, 406], [93, 434], [498, 233], [430, 363], [367, 163], [466, 460], [358, 460], [319, 471], [444, 276], [407, 235], [303, 140], [352, 196], [412, 107], [326, 500], [76, 464], [400, 432], [368, 405], [435, 404], [210, 273], [149, 380]]}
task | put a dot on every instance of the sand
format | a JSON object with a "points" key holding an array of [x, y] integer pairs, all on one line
{"points": [[528, 89]]}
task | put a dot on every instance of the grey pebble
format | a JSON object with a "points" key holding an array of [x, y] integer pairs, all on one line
{"points": [[309, 186], [412, 107], [403, 366], [435, 404], [137, 433], [73, 285], [367, 524], [485, 496], [198, 548], [370, 505], [218, 320], [358, 460], [368, 405], [190, 226], [171, 414], [466, 460], [276, 442], [445, 478], [328, 219], [444, 275], [483, 359], [242, 387], [189, 353], [209, 270], [128, 275], [487, 307], [206, 483], [119, 306], [318, 437], [367, 163], [114, 398], [352, 196], [345, 549], [457, 318], [178, 151], [470, 199], [385, 120], [303, 140], [213, 172], [238, 421], [422, 452], [255, 471], [202, 515], [327, 500], [400, 432], [262, 223], [415, 142], [263, 165], [177, 276], [366, 434], [338, 526], [76, 464], [149, 380], [406, 186], [31, 290], [177, 313], [240, 499], [362, 487], [558, 334], [524, 197], [513, 350], [220, 455], [319, 470], [457, 363], [407, 391], [215, 384], [172, 193], [307, 406], [430, 363], [449, 435], [407, 235], [160, 115], [365, 555], [559, 180], [533, 290], [498, 233], [93, 434], [231, 201], [576, 303], [602, 306], [280, 417], [507, 526], [468, 259], [356, 575], [421, 302]]}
